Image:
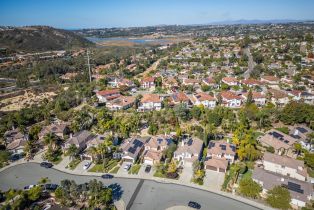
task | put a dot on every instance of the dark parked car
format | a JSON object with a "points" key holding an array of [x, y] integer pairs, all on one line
{"points": [[194, 205], [51, 187], [107, 176], [148, 168], [46, 164]]}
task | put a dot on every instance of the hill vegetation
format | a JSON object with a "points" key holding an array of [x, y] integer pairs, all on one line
{"points": [[40, 38]]}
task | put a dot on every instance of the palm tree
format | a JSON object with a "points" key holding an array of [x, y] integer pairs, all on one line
{"points": [[93, 152], [51, 141], [72, 151], [104, 149]]}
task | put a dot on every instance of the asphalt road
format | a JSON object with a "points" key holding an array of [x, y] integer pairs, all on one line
{"points": [[251, 63], [146, 195]]}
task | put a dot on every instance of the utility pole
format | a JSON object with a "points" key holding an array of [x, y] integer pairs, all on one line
{"points": [[89, 69]]}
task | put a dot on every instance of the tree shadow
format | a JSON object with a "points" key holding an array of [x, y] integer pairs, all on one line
{"points": [[117, 191]]}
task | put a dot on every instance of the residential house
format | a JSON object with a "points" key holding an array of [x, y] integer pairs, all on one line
{"points": [[301, 192], [258, 98], [282, 143], [188, 151], [300, 133], [132, 148], [170, 83], [154, 148], [209, 82], [148, 83], [251, 82], [17, 146], [179, 98], [123, 102], [285, 166], [79, 139], [191, 82], [230, 99], [13, 135], [221, 150], [271, 81], [231, 81], [150, 102], [216, 164], [298, 95], [107, 95], [205, 99], [278, 97], [59, 130]]}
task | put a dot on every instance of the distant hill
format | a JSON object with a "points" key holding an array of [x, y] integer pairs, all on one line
{"points": [[39, 38]]}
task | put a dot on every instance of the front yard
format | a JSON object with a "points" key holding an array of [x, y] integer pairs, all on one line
{"points": [[134, 169], [104, 168], [74, 163]]}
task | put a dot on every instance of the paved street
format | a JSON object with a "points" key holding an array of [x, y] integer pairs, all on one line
{"points": [[251, 63], [149, 194]]}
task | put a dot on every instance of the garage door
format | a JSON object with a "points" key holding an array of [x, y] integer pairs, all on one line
{"points": [[148, 162], [222, 170], [211, 168], [127, 160]]}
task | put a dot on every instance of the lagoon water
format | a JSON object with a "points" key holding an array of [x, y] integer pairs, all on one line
{"points": [[134, 40]]}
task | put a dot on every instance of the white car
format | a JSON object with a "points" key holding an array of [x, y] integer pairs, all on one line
{"points": [[127, 167], [87, 165]]}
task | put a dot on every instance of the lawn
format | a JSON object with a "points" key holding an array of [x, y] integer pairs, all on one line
{"points": [[73, 164], [100, 167], [160, 174], [134, 169], [115, 170], [247, 174]]}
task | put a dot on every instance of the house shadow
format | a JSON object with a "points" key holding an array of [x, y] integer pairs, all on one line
{"points": [[117, 191]]}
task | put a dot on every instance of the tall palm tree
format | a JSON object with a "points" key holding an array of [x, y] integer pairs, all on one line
{"points": [[104, 149], [72, 151], [93, 152], [51, 141]]}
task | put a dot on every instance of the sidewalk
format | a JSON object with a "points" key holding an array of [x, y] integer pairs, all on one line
{"points": [[61, 167]]}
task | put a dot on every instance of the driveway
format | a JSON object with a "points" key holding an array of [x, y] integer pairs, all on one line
{"points": [[214, 179], [186, 175], [122, 171], [142, 174]]}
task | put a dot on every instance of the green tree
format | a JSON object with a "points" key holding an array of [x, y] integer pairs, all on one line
{"points": [[72, 151], [249, 98], [34, 193], [279, 198], [249, 188]]}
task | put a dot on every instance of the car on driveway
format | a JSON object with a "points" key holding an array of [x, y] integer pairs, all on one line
{"points": [[148, 168], [107, 176], [194, 205], [127, 167], [87, 165], [46, 164]]}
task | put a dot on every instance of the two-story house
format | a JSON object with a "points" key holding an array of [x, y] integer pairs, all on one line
{"points": [[154, 148], [132, 148], [148, 83], [231, 81], [188, 151], [205, 99], [230, 99], [285, 166], [150, 102], [258, 98], [107, 95]]}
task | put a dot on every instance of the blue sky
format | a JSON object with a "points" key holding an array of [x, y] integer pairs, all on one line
{"points": [[124, 13]]}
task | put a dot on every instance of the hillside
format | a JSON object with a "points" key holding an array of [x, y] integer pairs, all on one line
{"points": [[39, 38]]}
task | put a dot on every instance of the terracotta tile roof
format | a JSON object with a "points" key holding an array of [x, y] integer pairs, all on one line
{"points": [[153, 155], [148, 79], [209, 80], [255, 95], [180, 97], [229, 79], [150, 98], [217, 163], [201, 96], [251, 82], [271, 78], [108, 92], [122, 101], [277, 93], [229, 95]]}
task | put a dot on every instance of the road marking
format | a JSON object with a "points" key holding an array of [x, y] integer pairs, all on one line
{"points": [[137, 190]]}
